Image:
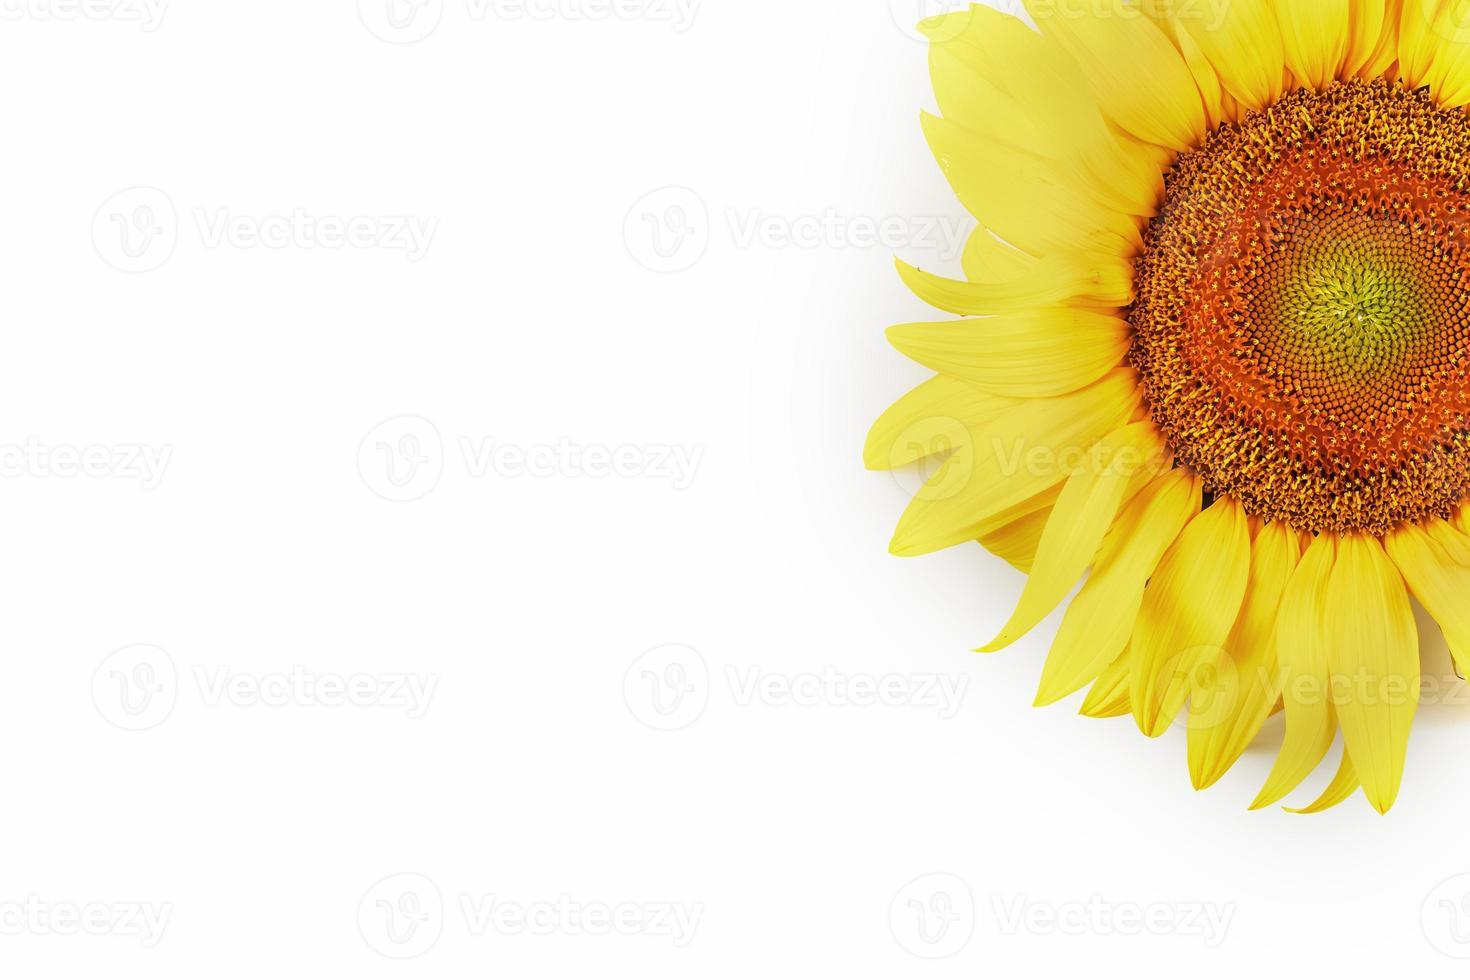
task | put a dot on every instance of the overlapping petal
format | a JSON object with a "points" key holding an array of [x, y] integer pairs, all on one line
{"points": [[1089, 281], [1301, 652], [988, 259], [1021, 454], [998, 78], [1373, 656], [1366, 26], [1188, 609], [935, 419], [1084, 512], [1435, 48], [1136, 74], [1099, 621], [1242, 41], [1436, 565], [1108, 697], [1220, 731], [1315, 37], [1037, 354]]}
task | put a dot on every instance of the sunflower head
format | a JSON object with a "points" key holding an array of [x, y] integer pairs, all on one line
{"points": [[1212, 357]]}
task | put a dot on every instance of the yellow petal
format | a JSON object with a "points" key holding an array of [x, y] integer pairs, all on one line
{"points": [[1343, 785], [1007, 516], [1365, 29], [1081, 518], [1017, 541], [1373, 654], [1220, 732], [1164, 14], [1417, 41], [1188, 609], [995, 76], [1232, 110], [1136, 74], [1024, 452], [1387, 50], [1301, 643], [1315, 36], [1109, 695], [969, 89], [1439, 579], [1005, 187], [1447, 72], [1461, 519], [1243, 43], [988, 259], [935, 419], [1079, 280], [1100, 619], [1014, 534], [1454, 541], [1037, 354]]}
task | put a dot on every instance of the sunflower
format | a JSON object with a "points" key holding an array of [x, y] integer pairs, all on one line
{"points": [[1211, 361]]}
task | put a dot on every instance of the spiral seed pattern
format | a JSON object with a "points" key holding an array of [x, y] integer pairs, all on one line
{"points": [[1302, 316]]}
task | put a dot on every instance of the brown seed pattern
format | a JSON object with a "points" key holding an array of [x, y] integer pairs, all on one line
{"points": [[1302, 317]]}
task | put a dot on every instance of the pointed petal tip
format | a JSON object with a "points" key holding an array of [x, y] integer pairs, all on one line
{"points": [[1321, 806], [874, 457], [901, 547], [946, 26], [908, 543], [1207, 780], [1382, 805], [1270, 794], [1152, 727], [998, 644], [1045, 698]]}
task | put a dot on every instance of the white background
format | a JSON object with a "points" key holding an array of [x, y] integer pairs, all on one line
{"points": [[275, 833]]}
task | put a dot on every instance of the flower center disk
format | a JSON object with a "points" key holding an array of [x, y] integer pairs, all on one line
{"points": [[1302, 320]]}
